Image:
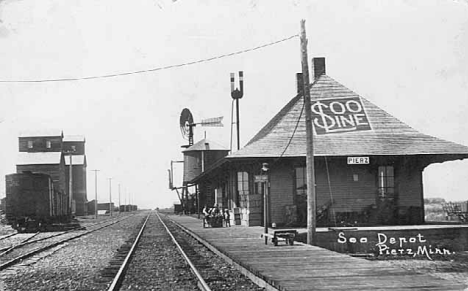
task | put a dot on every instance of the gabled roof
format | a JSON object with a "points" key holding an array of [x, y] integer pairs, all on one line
{"points": [[73, 138], [205, 145], [40, 158], [285, 134], [41, 133], [77, 160]]}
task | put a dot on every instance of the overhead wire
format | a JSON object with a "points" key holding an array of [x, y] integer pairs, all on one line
{"points": [[152, 69], [295, 127]]}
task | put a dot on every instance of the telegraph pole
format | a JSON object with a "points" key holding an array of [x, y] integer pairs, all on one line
{"points": [[311, 198], [119, 198], [95, 193], [70, 204], [110, 196], [70, 182]]}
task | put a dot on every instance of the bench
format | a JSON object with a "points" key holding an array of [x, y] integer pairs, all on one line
{"points": [[287, 236]]}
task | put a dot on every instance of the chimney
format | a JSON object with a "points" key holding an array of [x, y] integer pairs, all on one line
{"points": [[299, 83], [318, 65]]}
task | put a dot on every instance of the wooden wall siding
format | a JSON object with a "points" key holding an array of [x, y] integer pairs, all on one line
{"points": [[79, 186], [206, 194], [79, 147], [212, 157], [54, 171], [232, 195], [453, 238], [281, 193], [192, 165], [410, 189], [39, 144], [218, 194], [193, 162], [347, 195]]}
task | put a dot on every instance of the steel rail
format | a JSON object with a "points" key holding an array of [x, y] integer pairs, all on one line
{"points": [[259, 280], [41, 249], [8, 235], [203, 285], [116, 283], [28, 241]]}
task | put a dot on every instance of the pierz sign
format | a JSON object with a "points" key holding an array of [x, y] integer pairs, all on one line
{"points": [[358, 160], [339, 115]]}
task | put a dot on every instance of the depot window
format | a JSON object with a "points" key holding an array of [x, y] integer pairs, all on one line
{"points": [[386, 181], [30, 144], [242, 182], [48, 144], [301, 181]]}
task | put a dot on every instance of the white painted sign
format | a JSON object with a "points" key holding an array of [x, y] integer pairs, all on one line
{"points": [[358, 160], [260, 178], [339, 115]]}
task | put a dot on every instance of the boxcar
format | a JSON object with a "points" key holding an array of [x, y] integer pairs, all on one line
{"points": [[32, 202]]}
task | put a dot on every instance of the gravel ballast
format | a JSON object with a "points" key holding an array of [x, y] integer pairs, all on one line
{"points": [[77, 265]]}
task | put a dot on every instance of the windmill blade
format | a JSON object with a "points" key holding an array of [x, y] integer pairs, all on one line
{"points": [[186, 120], [213, 122]]}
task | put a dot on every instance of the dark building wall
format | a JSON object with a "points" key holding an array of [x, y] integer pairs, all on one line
{"points": [[79, 187], [195, 162], [91, 207], [192, 165], [281, 192], [348, 193], [410, 189], [350, 187], [40, 144], [78, 146], [212, 157], [104, 206], [56, 172]]}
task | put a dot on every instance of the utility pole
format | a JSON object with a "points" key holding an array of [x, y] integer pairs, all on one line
{"points": [[110, 196], [70, 186], [119, 198], [95, 193], [125, 199], [70, 182], [311, 198]]}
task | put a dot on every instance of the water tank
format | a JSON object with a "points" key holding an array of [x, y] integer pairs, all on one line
{"points": [[200, 156]]}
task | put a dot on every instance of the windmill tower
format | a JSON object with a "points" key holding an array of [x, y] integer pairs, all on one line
{"points": [[193, 156]]}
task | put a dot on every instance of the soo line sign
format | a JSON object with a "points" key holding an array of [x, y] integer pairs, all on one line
{"points": [[339, 115]]}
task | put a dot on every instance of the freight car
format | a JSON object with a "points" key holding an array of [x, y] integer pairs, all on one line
{"points": [[32, 203]]}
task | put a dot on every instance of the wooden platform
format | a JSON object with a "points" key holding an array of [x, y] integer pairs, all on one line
{"points": [[305, 267]]}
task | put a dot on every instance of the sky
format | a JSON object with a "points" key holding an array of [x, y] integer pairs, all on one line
{"points": [[407, 57]]}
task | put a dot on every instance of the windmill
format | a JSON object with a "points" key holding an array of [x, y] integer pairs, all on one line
{"points": [[186, 124]]}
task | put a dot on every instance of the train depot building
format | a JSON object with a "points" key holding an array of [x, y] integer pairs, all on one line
{"points": [[368, 165]]}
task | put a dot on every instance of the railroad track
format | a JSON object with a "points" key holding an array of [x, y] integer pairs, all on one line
{"points": [[165, 257], [29, 247], [8, 236]]}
